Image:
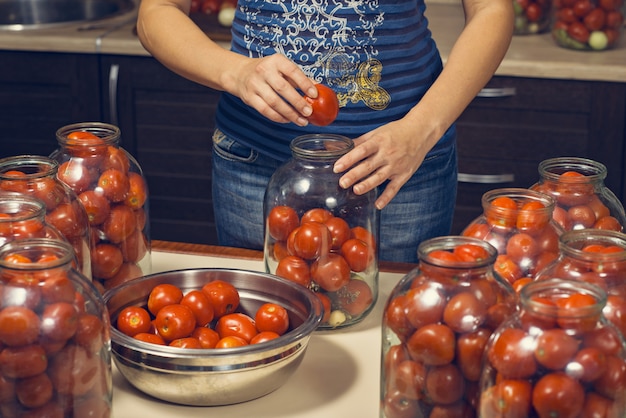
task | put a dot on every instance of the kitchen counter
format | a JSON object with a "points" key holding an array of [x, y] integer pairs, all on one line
{"points": [[338, 377], [529, 56]]}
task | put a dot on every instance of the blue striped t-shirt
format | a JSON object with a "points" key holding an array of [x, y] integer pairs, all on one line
{"points": [[378, 55]]}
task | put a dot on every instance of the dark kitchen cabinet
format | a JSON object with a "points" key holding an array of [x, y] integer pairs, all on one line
{"points": [[39, 93], [167, 123], [515, 123]]}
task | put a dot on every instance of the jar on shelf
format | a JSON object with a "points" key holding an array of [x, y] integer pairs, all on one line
{"points": [[37, 176], [435, 326], [111, 186], [598, 257], [321, 235], [531, 16], [558, 356], [518, 223], [54, 332], [588, 25], [582, 198]]}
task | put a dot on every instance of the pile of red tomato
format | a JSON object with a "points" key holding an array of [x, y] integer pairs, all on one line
{"points": [[531, 16], [51, 346], [588, 24], [114, 197], [443, 320], [201, 318], [322, 252]]}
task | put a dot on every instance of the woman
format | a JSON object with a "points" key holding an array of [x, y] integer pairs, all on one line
{"points": [[398, 103]]}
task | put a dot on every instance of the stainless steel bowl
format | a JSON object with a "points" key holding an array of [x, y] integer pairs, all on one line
{"points": [[39, 14], [208, 377]]}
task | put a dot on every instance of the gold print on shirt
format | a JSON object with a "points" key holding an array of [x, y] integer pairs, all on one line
{"points": [[366, 88]]}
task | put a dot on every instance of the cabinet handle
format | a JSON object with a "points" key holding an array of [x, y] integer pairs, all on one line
{"points": [[485, 178], [113, 78], [497, 92]]}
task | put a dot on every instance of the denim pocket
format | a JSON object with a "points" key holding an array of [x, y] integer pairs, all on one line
{"points": [[229, 149]]}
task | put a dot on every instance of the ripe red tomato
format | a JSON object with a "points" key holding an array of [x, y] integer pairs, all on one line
{"points": [[339, 231], [469, 352], [134, 320], [464, 312], [576, 323], [470, 252], [106, 261], [272, 317], [90, 333], [223, 296], [23, 361], [512, 354], [281, 221], [295, 269], [424, 304], [312, 240], [358, 254], [331, 272], [264, 336], [69, 219], [114, 184], [534, 12], [591, 364], [556, 394], [326, 303], [502, 212], [74, 371], [59, 321], [320, 215], [120, 223], [137, 191], [325, 106], [149, 337], [432, 344], [507, 398], [355, 297], [445, 384], [115, 158], [230, 342], [200, 305], [19, 326], [186, 342], [208, 337], [175, 321], [555, 348], [578, 32], [396, 318], [96, 205], [162, 295], [76, 175], [236, 324], [34, 392]]}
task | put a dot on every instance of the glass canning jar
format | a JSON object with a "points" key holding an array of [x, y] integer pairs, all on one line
{"points": [[435, 326], [531, 16], [598, 257], [111, 186], [321, 235], [582, 199], [558, 356], [55, 359], [518, 223], [588, 25], [37, 176]]}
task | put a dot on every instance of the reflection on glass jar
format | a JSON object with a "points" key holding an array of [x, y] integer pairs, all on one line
{"points": [[110, 184], [518, 223], [598, 257], [588, 25], [531, 16], [54, 331], [435, 326], [557, 356], [37, 176], [582, 199], [320, 235]]}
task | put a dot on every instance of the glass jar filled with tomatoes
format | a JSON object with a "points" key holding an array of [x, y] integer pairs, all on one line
{"points": [[436, 324], [582, 198], [55, 356], [531, 16], [588, 25], [557, 357], [598, 257], [110, 184], [518, 223], [321, 235], [37, 176]]}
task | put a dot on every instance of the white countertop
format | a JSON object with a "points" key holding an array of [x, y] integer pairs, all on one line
{"points": [[529, 56], [338, 377]]}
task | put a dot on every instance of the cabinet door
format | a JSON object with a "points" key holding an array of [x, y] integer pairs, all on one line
{"points": [[515, 123], [41, 92], [167, 123]]}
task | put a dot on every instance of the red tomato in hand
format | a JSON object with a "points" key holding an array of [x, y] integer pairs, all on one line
{"points": [[325, 106]]}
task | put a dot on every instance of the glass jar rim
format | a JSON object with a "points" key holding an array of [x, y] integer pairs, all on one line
{"points": [[572, 244], [38, 166], [35, 208], [557, 286], [316, 146], [62, 249], [110, 134], [448, 243], [552, 168]]}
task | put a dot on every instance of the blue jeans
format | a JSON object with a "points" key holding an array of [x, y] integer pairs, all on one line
{"points": [[422, 209]]}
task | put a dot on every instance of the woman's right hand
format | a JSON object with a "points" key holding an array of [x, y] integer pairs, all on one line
{"points": [[272, 85]]}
